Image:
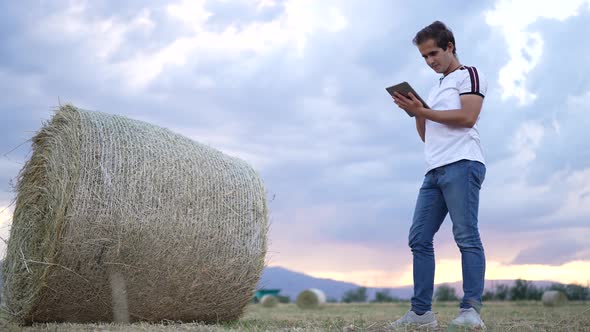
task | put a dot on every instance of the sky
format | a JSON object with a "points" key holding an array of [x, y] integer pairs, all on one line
{"points": [[296, 89]]}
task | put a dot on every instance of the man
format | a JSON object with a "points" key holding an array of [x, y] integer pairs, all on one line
{"points": [[455, 172]]}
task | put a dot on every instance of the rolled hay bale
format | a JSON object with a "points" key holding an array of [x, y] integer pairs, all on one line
{"points": [[269, 301], [178, 227], [553, 298], [312, 298]]}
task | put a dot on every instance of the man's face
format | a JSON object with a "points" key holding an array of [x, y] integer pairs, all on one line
{"points": [[436, 58]]}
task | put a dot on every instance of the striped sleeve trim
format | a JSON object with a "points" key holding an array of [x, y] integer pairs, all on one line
{"points": [[474, 77], [472, 93]]}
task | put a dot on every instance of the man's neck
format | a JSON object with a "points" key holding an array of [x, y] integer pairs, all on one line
{"points": [[452, 67]]}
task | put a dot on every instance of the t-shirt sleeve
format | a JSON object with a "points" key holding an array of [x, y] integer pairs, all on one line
{"points": [[473, 83]]}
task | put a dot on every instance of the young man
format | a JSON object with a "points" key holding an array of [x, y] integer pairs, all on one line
{"points": [[455, 172]]}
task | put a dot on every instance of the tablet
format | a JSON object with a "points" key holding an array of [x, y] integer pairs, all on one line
{"points": [[404, 88]]}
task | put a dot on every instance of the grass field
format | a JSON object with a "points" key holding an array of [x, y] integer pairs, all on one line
{"points": [[498, 316]]}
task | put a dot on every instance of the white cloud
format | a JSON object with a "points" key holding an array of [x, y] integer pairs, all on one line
{"points": [[105, 36], [576, 198], [298, 22], [265, 3], [5, 220], [527, 140], [556, 126], [578, 104], [525, 143], [525, 47], [190, 12], [304, 17], [561, 201], [292, 29]]}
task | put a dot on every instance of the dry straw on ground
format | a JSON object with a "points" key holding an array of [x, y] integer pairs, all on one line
{"points": [[312, 298], [269, 301], [104, 200], [553, 298]]}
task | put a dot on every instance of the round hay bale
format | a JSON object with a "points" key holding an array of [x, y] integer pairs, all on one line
{"points": [[114, 214], [312, 298], [553, 298], [269, 301]]}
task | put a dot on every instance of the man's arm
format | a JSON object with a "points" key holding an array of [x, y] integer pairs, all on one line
{"points": [[421, 127], [464, 117]]}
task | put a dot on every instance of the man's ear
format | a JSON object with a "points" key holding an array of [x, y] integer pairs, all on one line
{"points": [[450, 47]]}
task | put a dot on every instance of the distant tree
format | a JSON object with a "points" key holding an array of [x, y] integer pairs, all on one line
{"points": [[573, 292], [535, 293], [488, 295], [525, 290], [502, 293], [557, 286], [519, 290], [445, 293], [355, 295], [383, 296], [332, 300], [576, 292]]}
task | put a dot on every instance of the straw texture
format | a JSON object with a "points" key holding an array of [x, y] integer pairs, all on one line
{"points": [[116, 217], [312, 298], [269, 301], [553, 298]]}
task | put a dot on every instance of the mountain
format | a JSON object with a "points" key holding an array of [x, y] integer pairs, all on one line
{"points": [[291, 283]]}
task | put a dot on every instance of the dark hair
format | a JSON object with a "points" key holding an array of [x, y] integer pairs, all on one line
{"points": [[439, 32]]}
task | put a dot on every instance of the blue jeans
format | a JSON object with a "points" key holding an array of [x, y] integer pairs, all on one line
{"points": [[453, 189]]}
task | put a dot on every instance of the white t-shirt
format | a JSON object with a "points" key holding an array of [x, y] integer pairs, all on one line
{"points": [[447, 144]]}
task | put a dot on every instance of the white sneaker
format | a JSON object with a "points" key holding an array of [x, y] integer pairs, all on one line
{"points": [[411, 319], [468, 318]]}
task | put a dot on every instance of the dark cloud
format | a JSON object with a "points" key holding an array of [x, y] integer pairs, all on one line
{"points": [[554, 251], [561, 75]]}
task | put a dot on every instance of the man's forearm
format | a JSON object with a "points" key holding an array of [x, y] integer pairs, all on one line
{"points": [[457, 118], [421, 127]]}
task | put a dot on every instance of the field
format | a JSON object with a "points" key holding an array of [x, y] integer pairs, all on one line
{"points": [[498, 316]]}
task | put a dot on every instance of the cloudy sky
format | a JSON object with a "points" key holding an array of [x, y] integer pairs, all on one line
{"points": [[296, 88]]}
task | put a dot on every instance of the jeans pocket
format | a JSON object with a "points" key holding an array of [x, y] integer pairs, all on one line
{"points": [[478, 171]]}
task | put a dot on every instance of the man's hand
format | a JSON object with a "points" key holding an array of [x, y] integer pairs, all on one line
{"points": [[411, 104]]}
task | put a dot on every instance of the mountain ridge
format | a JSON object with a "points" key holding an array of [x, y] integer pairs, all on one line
{"points": [[292, 283]]}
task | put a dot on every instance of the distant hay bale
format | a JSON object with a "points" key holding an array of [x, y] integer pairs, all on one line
{"points": [[311, 299], [269, 301], [553, 298], [105, 200]]}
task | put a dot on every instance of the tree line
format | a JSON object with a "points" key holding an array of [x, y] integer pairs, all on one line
{"points": [[521, 290], [526, 290]]}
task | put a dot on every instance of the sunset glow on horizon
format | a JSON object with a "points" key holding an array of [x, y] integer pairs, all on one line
{"points": [[448, 271]]}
